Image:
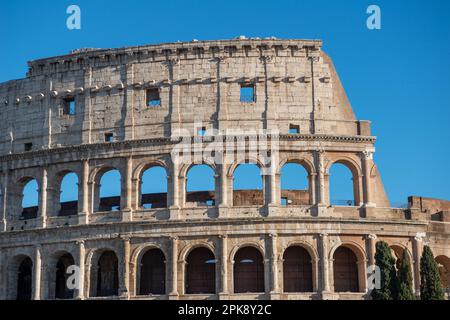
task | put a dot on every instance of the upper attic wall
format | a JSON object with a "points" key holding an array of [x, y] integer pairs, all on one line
{"points": [[198, 82]]}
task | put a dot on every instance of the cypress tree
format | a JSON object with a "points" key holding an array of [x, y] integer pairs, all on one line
{"points": [[430, 282], [405, 291], [386, 263]]}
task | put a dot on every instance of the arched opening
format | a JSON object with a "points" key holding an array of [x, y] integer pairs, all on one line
{"points": [[345, 270], [294, 185], [68, 198], [109, 191], [107, 275], [153, 188], [24, 279], [444, 271], [297, 270], [61, 289], [30, 199], [200, 185], [152, 273], [397, 253], [248, 270], [200, 272], [247, 185], [343, 185]]}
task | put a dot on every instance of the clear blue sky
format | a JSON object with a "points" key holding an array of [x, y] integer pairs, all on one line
{"points": [[398, 77]]}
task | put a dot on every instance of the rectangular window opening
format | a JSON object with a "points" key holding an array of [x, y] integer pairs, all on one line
{"points": [[69, 106], [201, 131], [152, 98], [109, 137], [247, 93], [293, 129], [284, 201], [28, 146]]}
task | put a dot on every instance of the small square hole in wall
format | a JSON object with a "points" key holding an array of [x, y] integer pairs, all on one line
{"points": [[69, 106], [247, 93], [210, 202], [293, 129], [284, 201], [201, 131], [152, 98], [28, 146], [109, 137]]}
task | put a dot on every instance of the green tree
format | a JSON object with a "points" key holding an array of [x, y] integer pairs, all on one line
{"points": [[430, 282], [388, 276], [405, 291]]}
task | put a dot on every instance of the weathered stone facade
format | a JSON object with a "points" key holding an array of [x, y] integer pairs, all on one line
{"points": [[295, 85]]}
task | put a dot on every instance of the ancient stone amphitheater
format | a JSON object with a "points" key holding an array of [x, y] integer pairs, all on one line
{"points": [[95, 110]]}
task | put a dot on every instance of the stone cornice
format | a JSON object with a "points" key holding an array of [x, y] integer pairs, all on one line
{"points": [[90, 150], [167, 224], [182, 50]]}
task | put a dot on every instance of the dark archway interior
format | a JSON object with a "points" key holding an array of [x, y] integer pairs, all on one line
{"points": [[61, 289], [200, 271], [345, 270], [153, 273], [107, 275], [248, 271], [24, 280], [297, 270]]}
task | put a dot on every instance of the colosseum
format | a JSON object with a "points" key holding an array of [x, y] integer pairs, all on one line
{"points": [[99, 110]]}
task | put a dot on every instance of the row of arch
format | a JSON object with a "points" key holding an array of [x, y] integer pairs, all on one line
{"points": [[201, 187], [200, 271]]}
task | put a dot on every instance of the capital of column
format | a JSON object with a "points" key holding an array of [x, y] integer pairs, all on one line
{"points": [[367, 154], [420, 236], [371, 236], [125, 238]]}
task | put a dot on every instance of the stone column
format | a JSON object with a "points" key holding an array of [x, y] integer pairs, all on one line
{"points": [[274, 264], [273, 188], [174, 269], [371, 249], [128, 103], [3, 275], [367, 159], [4, 206], [223, 189], [125, 274], [174, 204], [127, 191], [267, 277], [222, 89], [371, 239], [84, 194], [271, 196], [312, 188], [79, 293], [43, 199], [322, 201], [37, 269], [173, 66], [324, 265], [224, 267], [417, 254]]}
